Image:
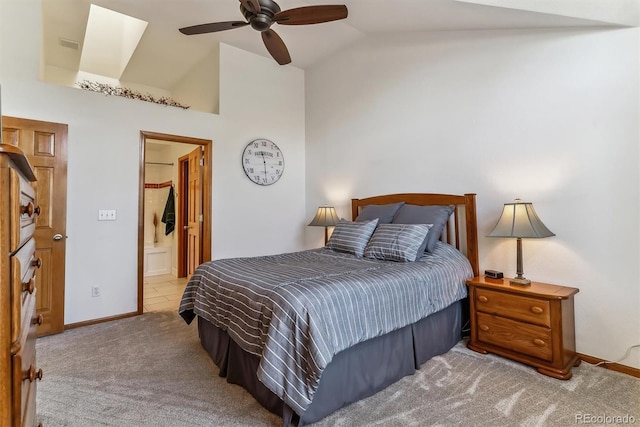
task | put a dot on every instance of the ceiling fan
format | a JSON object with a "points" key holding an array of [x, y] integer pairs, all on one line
{"points": [[262, 14]]}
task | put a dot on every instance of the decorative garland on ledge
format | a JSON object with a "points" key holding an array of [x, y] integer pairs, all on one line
{"points": [[108, 89]]}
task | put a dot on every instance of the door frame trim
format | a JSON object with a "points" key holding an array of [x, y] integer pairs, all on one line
{"points": [[205, 254]]}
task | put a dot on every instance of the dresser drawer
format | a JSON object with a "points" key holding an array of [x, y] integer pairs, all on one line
{"points": [[512, 335], [23, 271], [23, 210], [517, 307], [25, 373]]}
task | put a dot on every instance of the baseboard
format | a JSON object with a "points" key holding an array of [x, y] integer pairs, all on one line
{"points": [[101, 320], [634, 372]]}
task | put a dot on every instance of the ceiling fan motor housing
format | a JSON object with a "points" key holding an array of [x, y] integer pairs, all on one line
{"points": [[263, 20]]}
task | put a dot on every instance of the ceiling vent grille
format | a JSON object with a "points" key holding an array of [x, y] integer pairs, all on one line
{"points": [[71, 44]]}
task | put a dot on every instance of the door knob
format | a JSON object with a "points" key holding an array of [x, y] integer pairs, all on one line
{"points": [[186, 227], [57, 237]]}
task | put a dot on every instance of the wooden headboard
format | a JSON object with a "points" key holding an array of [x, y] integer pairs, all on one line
{"points": [[462, 229]]}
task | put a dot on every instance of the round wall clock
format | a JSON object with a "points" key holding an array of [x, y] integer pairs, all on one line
{"points": [[263, 162]]}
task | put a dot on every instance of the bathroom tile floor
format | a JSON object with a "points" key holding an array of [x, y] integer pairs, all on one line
{"points": [[163, 293]]}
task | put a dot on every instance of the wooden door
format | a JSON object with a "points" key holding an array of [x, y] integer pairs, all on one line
{"points": [[45, 145], [194, 210]]}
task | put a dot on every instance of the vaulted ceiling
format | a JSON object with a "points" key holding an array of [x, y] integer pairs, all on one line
{"points": [[164, 55]]}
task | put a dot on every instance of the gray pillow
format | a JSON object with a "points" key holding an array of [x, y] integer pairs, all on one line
{"points": [[435, 214], [397, 242], [351, 237], [384, 213]]}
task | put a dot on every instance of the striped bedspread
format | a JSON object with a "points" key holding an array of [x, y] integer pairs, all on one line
{"points": [[297, 310]]}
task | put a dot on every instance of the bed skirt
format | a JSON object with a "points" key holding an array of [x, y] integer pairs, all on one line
{"points": [[353, 374]]}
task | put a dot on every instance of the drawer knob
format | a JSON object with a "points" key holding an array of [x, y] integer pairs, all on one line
{"points": [[31, 374], [484, 327], [37, 263], [537, 310], [539, 342], [30, 286], [27, 209], [37, 320], [482, 298]]}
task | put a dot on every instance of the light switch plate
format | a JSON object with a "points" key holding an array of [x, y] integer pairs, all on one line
{"points": [[106, 215]]}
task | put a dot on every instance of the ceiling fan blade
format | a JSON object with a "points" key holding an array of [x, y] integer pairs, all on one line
{"points": [[212, 27], [311, 14], [251, 5], [276, 47]]}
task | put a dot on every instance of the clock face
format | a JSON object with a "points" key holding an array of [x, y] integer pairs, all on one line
{"points": [[263, 162]]}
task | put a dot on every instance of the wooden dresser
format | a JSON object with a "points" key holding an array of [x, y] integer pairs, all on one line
{"points": [[18, 266], [531, 324]]}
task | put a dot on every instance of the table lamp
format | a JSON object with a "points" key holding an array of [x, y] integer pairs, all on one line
{"points": [[519, 220], [325, 217]]}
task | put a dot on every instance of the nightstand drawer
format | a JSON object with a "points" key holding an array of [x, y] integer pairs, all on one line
{"points": [[517, 307], [521, 337]]}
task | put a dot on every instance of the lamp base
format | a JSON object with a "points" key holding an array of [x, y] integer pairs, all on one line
{"points": [[520, 282]]}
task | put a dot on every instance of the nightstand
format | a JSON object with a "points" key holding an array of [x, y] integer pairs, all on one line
{"points": [[530, 324]]}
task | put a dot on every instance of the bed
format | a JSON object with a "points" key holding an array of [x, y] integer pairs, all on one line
{"points": [[310, 332]]}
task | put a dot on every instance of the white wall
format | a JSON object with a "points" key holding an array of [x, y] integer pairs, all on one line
{"points": [[550, 116], [200, 88], [103, 161]]}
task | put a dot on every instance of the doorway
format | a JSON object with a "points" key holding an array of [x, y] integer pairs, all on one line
{"points": [[188, 188]]}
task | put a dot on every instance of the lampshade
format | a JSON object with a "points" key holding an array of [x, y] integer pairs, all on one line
{"points": [[325, 217], [519, 219]]}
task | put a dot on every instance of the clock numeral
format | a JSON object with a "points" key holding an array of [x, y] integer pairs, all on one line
{"points": [[249, 170], [246, 161]]}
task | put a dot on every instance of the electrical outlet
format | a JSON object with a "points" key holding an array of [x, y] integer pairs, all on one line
{"points": [[95, 291]]}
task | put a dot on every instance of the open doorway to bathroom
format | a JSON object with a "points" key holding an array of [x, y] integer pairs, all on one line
{"points": [[174, 225]]}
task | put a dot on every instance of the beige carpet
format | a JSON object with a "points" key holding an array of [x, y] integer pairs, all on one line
{"points": [[151, 371]]}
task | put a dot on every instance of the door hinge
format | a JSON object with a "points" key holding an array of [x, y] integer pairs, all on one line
{"points": [[201, 218], [201, 161]]}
